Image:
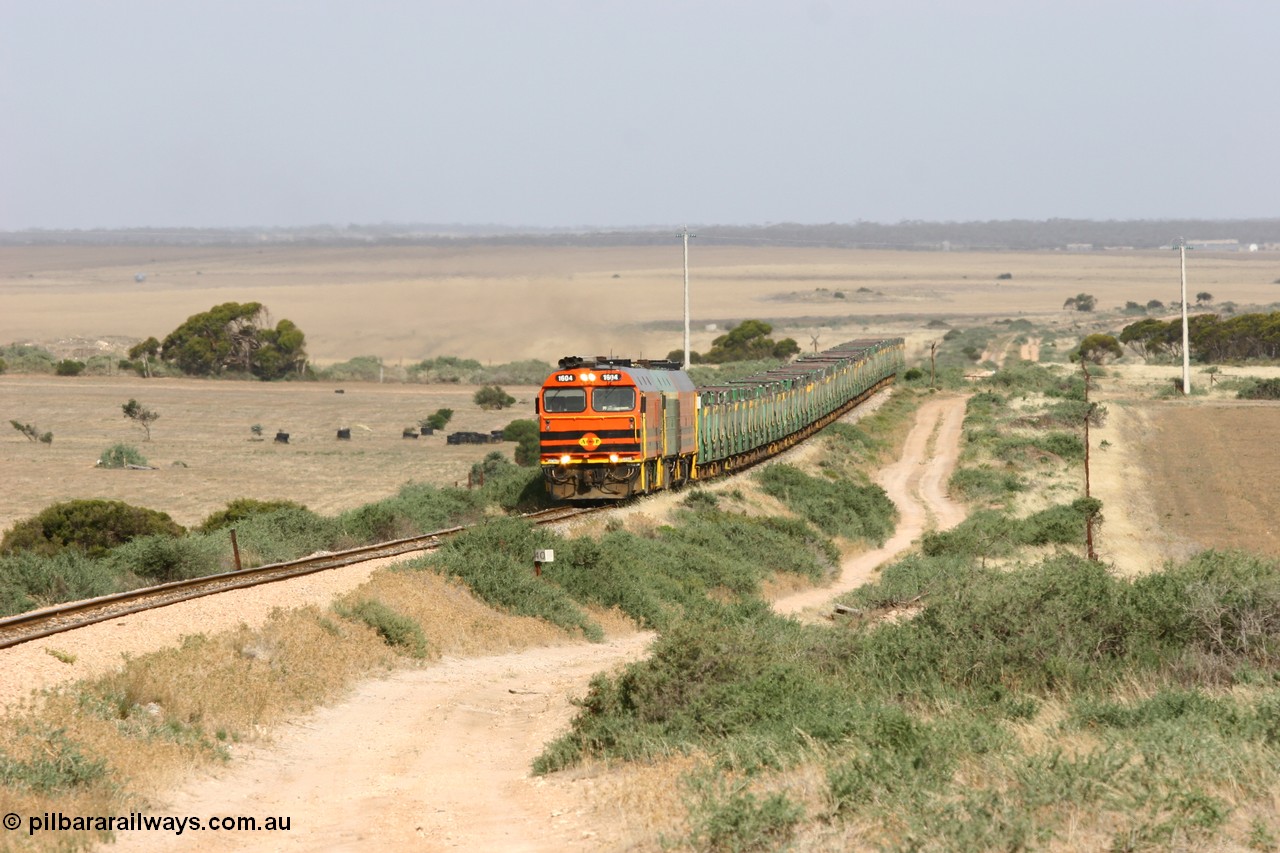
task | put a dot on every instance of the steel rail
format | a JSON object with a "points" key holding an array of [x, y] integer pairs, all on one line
{"points": [[35, 624]]}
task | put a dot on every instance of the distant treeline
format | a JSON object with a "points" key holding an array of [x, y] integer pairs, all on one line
{"points": [[1212, 339], [1015, 234]]}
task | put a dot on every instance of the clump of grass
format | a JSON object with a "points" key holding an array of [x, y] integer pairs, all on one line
{"points": [[995, 533], [396, 630], [727, 816], [856, 510], [60, 764], [985, 484], [29, 580], [496, 561]]}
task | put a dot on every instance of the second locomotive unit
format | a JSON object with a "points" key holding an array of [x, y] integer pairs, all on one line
{"points": [[611, 428]]}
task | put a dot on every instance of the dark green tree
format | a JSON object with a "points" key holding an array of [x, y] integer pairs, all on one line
{"points": [[237, 338], [142, 354], [1081, 302], [492, 397], [1098, 349], [438, 420], [748, 341]]}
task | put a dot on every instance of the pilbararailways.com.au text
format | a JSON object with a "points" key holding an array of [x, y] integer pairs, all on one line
{"points": [[60, 822]]}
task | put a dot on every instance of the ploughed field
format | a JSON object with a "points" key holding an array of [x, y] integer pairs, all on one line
{"points": [[1214, 471]]}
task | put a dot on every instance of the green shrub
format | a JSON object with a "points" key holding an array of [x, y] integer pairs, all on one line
{"points": [[1261, 389], [29, 579], [492, 397], [93, 526], [727, 817], [160, 559], [836, 507], [121, 455], [242, 508], [985, 483], [286, 534], [60, 765], [438, 419], [528, 442], [496, 561], [24, 358], [508, 486], [69, 367], [362, 368], [396, 630]]}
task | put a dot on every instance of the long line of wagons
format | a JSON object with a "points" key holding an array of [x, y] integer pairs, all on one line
{"points": [[611, 428]]}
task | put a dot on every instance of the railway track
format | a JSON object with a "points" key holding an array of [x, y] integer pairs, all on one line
{"points": [[25, 627]]}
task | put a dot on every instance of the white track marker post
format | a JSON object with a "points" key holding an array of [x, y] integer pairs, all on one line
{"points": [[1186, 335], [685, 236]]}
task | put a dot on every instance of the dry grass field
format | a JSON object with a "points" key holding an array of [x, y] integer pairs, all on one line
{"points": [[492, 304]]}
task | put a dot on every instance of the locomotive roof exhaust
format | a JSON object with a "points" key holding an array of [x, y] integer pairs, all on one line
{"points": [[571, 362]]}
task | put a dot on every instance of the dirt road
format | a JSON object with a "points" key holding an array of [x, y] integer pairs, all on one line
{"points": [[438, 759]]}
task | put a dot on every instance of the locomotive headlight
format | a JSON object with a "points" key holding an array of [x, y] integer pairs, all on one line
{"points": [[613, 457], [564, 460]]}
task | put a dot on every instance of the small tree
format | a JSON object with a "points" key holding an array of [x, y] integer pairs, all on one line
{"points": [[33, 433], [492, 397], [1081, 302], [1203, 296], [1098, 348], [1155, 305], [140, 415], [144, 353], [437, 420]]}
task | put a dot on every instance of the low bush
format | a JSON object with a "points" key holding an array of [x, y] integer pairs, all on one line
{"points": [[726, 816], [24, 358], [29, 580], [528, 442], [120, 456], [511, 487], [240, 509], [396, 630], [994, 533], [1065, 446], [1026, 377], [93, 526], [1261, 389], [59, 766], [985, 483], [492, 397], [837, 507], [160, 559], [69, 367], [496, 561], [285, 534]]}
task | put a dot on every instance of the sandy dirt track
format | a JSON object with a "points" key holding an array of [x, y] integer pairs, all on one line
{"points": [[438, 759]]}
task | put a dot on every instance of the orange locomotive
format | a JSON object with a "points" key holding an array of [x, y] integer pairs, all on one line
{"points": [[612, 427]]}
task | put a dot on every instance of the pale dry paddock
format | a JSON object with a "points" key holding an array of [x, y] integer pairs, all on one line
{"points": [[206, 455], [405, 303]]}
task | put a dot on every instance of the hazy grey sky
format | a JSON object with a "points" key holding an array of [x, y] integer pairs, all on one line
{"points": [[117, 113]]}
